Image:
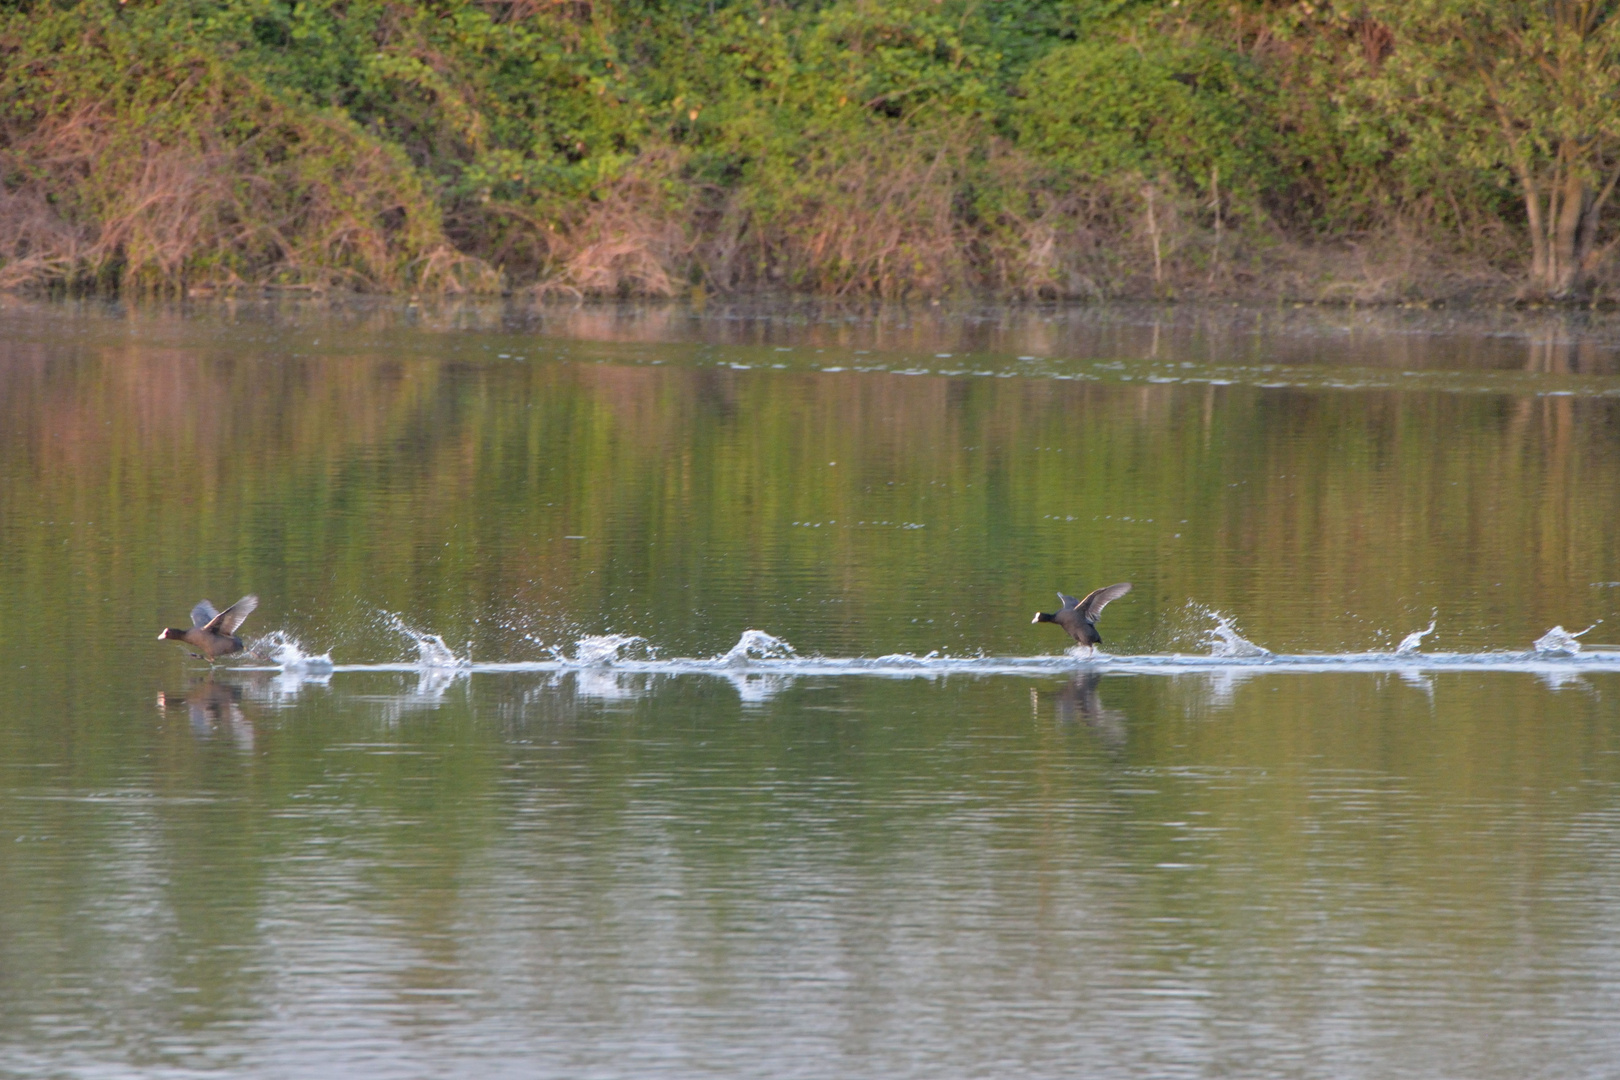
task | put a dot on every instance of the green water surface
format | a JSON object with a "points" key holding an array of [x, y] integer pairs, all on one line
{"points": [[597, 872]]}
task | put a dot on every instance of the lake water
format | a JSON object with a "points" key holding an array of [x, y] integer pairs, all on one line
{"points": [[652, 692]]}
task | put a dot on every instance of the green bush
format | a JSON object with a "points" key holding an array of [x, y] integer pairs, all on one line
{"points": [[130, 157], [888, 147], [1111, 110]]}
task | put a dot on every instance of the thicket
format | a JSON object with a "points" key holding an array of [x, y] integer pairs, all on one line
{"points": [[877, 147]]}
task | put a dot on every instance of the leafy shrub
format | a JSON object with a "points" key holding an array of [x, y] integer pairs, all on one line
{"points": [[888, 147], [129, 159], [1111, 110]]}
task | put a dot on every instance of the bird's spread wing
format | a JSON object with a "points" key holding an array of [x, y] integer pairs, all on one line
{"points": [[203, 613], [1097, 599], [1066, 600], [228, 620]]}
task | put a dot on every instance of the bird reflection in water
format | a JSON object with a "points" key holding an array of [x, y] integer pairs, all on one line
{"points": [[1079, 701], [215, 709]]}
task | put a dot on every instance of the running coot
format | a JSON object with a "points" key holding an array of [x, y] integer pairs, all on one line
{"points": [[213, 633], [1079, 617]]}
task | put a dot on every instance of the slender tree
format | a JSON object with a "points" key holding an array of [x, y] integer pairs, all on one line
{"points": [[1531, 87]]}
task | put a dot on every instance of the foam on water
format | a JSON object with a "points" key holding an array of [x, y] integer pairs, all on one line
{"points": [[911, 660]]}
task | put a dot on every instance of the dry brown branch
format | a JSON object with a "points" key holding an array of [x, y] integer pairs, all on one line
{"points": [[631, 241]]}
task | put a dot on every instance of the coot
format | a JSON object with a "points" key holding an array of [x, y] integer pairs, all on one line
{"points": [[1079, 617], [213, 633]]}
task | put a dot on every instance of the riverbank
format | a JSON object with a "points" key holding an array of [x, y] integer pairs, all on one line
{"points": [[895, 150], [1368, 272]]}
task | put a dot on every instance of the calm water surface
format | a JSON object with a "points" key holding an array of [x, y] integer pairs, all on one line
{"points": [[508, 787]]}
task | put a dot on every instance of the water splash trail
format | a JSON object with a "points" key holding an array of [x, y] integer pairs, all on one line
{"points": [[757, 653]]}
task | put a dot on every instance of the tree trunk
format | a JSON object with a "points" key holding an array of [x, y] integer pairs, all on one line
{"points": [[1565, 280], [1538, 230], [1587, 247], [1563, 229]]}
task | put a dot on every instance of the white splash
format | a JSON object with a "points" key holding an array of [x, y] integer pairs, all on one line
{"points": [[431, 651], [286, 652], [1226, 643], [1410, 643], [1560, 642], [902, 660], [597, 649], [756, 645], [760, 665]]}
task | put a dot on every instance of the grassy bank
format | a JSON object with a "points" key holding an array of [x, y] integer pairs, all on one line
{"points": [[1026, 148]]}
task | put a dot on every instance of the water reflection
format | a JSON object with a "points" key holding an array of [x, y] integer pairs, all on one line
{"points": [[215, 709], [1080, 701], [502, 503], [1420, 680], [585, 882], [613, 830], [607, 685], [1547, 341], [757, 688], [431, 686]]}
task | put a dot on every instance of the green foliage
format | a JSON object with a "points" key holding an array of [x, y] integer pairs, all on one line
{"points": [[887, 146], [1116, 108], [491, 107], [134, 157], [1524, 93]]}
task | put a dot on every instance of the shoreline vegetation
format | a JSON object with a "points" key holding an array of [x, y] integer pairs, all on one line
{"points": [[1428, 151]]}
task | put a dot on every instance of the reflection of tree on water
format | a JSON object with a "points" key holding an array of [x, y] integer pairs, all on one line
{"points": [[1564, 349], [1080, 701]]}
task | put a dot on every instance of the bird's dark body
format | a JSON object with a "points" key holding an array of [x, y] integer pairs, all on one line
{"points": [[213, 633], [208, 646], [1082, 630], [1079, 617]]}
